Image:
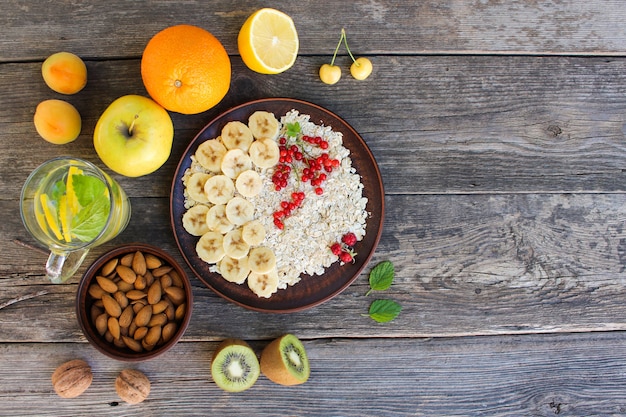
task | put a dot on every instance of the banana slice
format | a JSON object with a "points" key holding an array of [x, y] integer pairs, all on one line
{"points": [[234, 245], [264, 153], [217, 221], [195, 187], [236, 135], [210, 247], [261, 260], [239, 211], [253, 233], [210, 153], [249, 183], [219, 189], [263, 125], [194, 220], [234, 270], [263, 285], [234, 162]]}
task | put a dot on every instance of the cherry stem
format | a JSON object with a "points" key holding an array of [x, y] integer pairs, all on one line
{"points": [[132, 125], [345, 40], [341, 38]]}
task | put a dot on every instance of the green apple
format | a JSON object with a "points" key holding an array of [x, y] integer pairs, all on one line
{"points": [[134, 136]]}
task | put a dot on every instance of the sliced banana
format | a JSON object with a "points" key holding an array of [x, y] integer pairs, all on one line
{"points": [[264, 153], [249, 183], [236, 135], [265, 284], [253, 233], [239, 211], [210, 153], [234, 245], [219, 189], [194, 220], [234, 162], [195, 187], [263, 125], [217, 221], [261, 259], [210, 247], [234, 270]]}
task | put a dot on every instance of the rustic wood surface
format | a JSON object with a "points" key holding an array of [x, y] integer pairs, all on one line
{"points": [[499, 131]]}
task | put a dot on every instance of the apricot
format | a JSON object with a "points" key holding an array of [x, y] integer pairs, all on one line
{"points": [[64, 72], [57, 121]]}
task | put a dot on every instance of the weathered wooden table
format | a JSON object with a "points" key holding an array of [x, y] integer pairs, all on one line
{"points": [[499, 131]]}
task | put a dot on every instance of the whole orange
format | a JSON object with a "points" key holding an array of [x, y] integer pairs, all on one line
{"points": [[186, 69]]}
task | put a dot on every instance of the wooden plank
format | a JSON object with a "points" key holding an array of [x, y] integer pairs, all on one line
{"points": [[520, 124], [34, 31], [570, 375], [465, 265]]}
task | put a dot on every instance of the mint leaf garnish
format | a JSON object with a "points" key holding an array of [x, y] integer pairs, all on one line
{"points": [[384, 311], [88, 189], [57, 190], [293, 129], [92, 195], [381, 276]]}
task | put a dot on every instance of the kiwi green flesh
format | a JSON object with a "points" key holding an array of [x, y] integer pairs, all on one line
{"points": [[235, 368], [294, 357]]}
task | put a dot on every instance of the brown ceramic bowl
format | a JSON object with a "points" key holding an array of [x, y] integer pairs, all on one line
{"points": [[89, 307]]}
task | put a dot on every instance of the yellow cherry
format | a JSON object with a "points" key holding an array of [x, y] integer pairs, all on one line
{"points": [[330, 74], [361, 68]]}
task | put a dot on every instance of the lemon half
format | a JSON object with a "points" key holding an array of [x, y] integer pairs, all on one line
{"points": [[268, 41]]}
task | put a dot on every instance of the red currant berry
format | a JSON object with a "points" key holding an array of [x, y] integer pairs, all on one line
{"points": [[319, 191], [345, 257], [349, 239]]}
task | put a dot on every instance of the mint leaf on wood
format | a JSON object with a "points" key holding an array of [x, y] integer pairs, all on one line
{"points": [[384, 311], [381, 276]]}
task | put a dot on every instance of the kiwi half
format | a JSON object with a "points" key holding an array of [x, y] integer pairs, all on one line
{"points": [[284, 361], [234, 366]]}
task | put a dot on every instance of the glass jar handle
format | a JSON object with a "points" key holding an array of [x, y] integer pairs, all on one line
{"points": [[62, 265]]}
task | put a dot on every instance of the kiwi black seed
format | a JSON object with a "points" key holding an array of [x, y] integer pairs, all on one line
{"points": [[235, 366], [284, 361]]}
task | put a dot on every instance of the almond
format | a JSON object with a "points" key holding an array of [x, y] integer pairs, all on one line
{"points": [[111, 306], [132, 344], [159, 307], [121, 299], [153, 336], [140, 282], [136, 295], [109, 267], [162, 270], [106, 284], [168, 331], [114, 327], [177, 295], [127, 260], [139, 263], [152, 261], [157, 320], [140, 333], [126, 317], [95, 291], [143, 316], [126, 273], [154, 292], [101, 323]]}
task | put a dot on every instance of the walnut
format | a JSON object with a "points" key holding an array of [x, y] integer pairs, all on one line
{"points": [[72, 378], [132, 386]]}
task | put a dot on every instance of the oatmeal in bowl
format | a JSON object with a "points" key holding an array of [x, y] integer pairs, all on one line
{"points": [[269, 202]]}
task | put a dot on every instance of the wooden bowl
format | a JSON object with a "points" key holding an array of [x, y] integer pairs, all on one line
{"points": [[90, 304]]}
